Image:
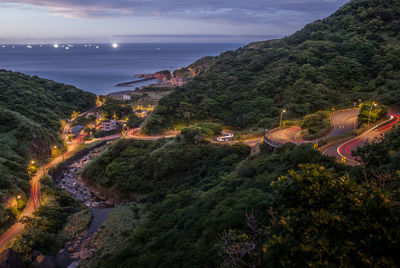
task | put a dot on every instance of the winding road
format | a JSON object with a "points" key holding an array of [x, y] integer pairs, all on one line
{"points": [[343, 151], [343, 121], [35, 193], [134, 134]]}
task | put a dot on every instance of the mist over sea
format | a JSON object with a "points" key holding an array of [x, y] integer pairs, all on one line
{"points": [[98, 69]]}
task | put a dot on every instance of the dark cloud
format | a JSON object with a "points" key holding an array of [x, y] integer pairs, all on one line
{"points": [[233, 11]]}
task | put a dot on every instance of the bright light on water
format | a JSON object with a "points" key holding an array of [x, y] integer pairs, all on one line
{"points": [[56, 45], [99, 69], [114, 45]]}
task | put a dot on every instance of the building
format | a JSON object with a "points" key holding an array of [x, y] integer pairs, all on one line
{"points": [[126, 97], [76, 130], [109, 125], [177, 81]]}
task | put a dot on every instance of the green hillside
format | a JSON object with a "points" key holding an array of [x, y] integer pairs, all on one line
{"points": [[194, 206], [30, 112], [353, 54]]}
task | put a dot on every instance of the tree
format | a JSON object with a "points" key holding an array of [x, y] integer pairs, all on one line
{"points": [[316, 222], [192, 135]]}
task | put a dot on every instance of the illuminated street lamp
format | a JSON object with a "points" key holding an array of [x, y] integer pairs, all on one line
{"points": [[32, 162], [370, 110], [282, 112]]}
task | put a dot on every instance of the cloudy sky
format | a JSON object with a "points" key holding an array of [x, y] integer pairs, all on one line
{"points": [[157, 20]]}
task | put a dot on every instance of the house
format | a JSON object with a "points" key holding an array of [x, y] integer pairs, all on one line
{"points": [[126, 97], [76, 130], [109, 125], [177, 81]]}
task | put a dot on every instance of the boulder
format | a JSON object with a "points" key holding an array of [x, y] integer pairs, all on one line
{"points": [[109, 202], [43, 261], [84, 254]]}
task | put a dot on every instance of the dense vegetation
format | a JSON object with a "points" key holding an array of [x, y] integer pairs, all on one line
{"points": [[316, 125], [150, 170], [353, 54], [291, 207], [203, 205], [195, 68], [31, 110], [370, 113], [53, 223]]}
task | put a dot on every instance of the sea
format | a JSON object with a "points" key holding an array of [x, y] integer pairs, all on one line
{"points": [[99, 67]]}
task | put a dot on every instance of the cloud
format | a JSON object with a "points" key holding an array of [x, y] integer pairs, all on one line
{"points": [[233, 11]]}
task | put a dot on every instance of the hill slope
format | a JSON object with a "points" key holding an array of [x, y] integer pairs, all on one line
{"points": [[353, 54], [30, 112]]}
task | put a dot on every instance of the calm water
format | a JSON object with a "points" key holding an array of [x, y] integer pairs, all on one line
{"points": [[99, 69]]}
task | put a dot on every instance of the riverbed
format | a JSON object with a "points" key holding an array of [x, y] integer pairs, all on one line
{"points": [[77, 249]]}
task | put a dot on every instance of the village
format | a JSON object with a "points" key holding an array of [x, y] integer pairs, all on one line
{"points": [[117, 114]]}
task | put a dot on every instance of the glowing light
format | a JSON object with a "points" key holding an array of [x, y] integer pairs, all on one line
{"points": [[97, 46], [114, 45], [67, 48], [32, 162], [55, 45], [19, 197]]}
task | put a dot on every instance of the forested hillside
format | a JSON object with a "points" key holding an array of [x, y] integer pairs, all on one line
{"points": [[353, 54], [30, 112], [196, 204], [203, 205]]}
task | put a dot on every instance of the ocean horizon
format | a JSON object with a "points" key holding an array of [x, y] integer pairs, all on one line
{"points": [[99, 67]]}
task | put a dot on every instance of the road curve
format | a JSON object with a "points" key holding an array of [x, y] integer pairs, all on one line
{"points": [[134, 134], [344, 150], [34, 199], [35, 194], [342, 121]]}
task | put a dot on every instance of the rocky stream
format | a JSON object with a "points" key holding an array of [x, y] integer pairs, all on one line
{"points": [[82, 246]]}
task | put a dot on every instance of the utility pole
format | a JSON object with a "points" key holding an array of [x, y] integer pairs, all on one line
{"points": [[280, 122], [370, 110]]}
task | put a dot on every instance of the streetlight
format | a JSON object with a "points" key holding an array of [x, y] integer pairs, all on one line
{"points": [[370, 110], [32, 162], [280, 122]]}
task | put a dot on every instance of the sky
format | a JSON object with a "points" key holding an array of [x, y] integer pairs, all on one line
{"points": [[157, 20]]}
